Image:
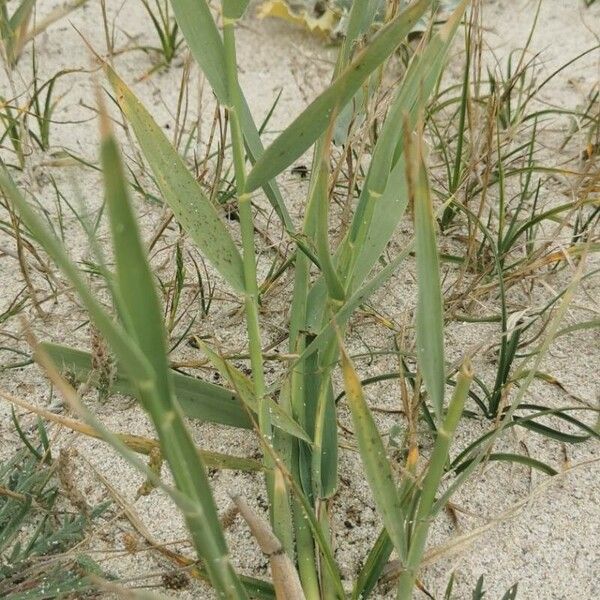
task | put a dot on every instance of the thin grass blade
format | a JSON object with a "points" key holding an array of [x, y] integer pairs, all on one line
{"points": [[245, 389], [373, 567]]}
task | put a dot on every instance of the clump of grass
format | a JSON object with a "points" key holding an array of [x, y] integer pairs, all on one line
{"points": [[38, 538], [166, 28], [28, 124], [295, 417]]}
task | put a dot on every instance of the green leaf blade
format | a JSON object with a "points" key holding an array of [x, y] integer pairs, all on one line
{"points": [[134, 362], [192, 209], [383, 197], [377, 467], [430, 315], [198, 399], [313, 121], [244, 388], [198, 27], [206, 45], [134, 278], [144, 321]]}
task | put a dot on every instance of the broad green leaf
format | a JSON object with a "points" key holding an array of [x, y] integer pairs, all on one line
{"points": [[234, 9], [313, 121], [144, 321], [191, 207], [372, 450], [329, 450], [430, 316], [244, 388], [134, 280], [322, 477], [198, 399]]}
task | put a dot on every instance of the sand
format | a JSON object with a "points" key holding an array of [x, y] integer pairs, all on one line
{"points": [[548, 539]]}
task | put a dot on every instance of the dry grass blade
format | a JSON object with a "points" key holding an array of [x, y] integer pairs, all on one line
{"points": [[285, 578], [137, 443]]}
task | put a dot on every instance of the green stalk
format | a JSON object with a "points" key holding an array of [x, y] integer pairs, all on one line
{"points": [[305, 547], [335, 289], [312, 229], [279, 502], [328, 584], [463, 112], [247, 229], [435, 471], [324, 470], [335, 298]]}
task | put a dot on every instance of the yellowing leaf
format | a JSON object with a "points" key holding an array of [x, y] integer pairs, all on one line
{"points": [[299, 15]]}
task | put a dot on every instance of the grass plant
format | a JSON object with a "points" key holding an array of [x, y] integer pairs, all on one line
{"points": [[166, 28], [38, 534], [295, 416]]}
